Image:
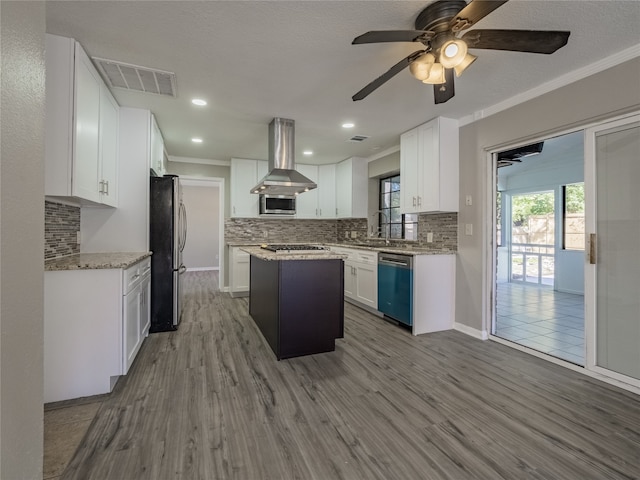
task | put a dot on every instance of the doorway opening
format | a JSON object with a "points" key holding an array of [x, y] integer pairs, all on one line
{"points": [[539, 287]]}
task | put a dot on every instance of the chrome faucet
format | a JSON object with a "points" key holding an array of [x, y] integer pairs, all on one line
{"points": [[386, 231]]}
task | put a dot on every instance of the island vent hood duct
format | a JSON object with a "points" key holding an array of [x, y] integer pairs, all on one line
{"points": [[282, 178]]}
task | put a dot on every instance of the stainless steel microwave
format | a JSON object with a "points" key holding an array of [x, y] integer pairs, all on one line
{"points": [[277, 205]]}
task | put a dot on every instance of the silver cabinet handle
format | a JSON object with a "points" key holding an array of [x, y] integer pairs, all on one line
{"points": [[101, 186], [106, 187], [414, 201], [419, 201]]}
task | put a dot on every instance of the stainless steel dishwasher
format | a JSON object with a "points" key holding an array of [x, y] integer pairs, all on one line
{"points": [[395, 286]]}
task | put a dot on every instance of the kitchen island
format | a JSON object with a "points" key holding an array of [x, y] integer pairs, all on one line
{"points": [[297, 300]]}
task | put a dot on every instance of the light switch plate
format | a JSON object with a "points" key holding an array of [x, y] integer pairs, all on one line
{"points": [[354, 234], [429, 237], [468, 229]]}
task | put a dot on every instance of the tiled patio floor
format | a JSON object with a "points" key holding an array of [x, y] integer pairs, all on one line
{"points": [[540, 318]]}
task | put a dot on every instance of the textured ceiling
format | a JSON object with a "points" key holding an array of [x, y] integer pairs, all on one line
{"points": [[255, 60]]}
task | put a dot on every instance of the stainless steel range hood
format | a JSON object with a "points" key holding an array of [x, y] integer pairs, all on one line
{"points": [[282, 178]]}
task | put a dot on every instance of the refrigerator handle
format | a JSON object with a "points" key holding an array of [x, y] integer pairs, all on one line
{"points": [[183, 227]]}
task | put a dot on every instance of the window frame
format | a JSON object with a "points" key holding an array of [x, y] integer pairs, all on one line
{"points": [[384, 213]]}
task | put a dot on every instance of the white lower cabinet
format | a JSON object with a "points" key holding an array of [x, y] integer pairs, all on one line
{"points": [[360, 275], [136, 313], [94, 323], [239, 272]]}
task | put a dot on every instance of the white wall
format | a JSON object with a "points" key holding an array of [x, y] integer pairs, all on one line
{"points": [[21, 239], [202, 203], [602, 95]]}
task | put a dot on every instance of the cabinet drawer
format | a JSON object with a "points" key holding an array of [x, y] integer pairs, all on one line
{"points": [[367, 257], [135, 273]]}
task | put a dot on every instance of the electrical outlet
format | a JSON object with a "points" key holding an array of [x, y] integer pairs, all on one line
{"points": [[468, 200], [354, 234], [429, 237], [468, 229]]}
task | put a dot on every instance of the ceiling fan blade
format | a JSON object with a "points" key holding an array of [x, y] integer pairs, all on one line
{"points": [[475, 11], [397, 68], [533, 41], [444, 91], [379, 36]]}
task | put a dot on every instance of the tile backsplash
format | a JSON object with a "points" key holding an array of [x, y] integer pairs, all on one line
{"points": [[444, 227], [61, 224], [275, 230]]}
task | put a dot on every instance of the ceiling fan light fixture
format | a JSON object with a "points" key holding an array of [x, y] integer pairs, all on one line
{"points": [[452, 53], [436, 75], [421, 67], [462, 66]]}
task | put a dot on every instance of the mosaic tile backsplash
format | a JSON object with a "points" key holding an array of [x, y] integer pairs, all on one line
{"points": [[444, 227], [61, 222]]}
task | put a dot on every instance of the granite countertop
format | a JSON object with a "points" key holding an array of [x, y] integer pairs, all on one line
{"points": [[403, 250], [89, 261], [263, 254]]}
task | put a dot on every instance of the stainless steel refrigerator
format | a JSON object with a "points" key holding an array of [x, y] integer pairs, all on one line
{"points": [[167, 238]]}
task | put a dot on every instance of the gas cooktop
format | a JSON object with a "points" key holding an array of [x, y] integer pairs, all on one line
{"points": [[296, 248]]}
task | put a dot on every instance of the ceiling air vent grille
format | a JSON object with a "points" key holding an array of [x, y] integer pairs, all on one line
{"points": [[358, 138], [136, 78]]}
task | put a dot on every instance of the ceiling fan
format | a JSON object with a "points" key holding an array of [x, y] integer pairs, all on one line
{"points": [[437, 28]]}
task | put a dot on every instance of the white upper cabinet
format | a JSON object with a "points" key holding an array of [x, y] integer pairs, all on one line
{"points": [[327, 191], [157, 148], [319, 202], [351, 188], [109, 121], [429, 167], [307, 202], [244, 176], [81, 160]]}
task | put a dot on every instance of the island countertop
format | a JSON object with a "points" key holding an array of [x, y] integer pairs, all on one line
{"points": [[88, 261], [263, 254]]}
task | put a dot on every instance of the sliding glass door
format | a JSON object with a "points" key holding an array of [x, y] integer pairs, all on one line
{"points": [[612, 181]]}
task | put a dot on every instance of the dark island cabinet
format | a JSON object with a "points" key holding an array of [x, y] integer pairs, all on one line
{"points": [[298, 305]]}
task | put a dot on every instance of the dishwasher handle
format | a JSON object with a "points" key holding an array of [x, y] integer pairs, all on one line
{"points": [[402, 261]]}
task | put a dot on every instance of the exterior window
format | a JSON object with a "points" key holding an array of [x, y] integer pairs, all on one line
{"points": [[573, 216], [394, 224]]}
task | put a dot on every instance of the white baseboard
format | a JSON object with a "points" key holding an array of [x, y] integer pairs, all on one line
{"points": [[202, 269], [480, 334]]}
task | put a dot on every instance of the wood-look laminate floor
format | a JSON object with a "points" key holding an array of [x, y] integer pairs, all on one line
{"points": [[211, 402]]}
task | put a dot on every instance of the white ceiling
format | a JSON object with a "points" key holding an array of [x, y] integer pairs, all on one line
{"points": [[255, 60]]}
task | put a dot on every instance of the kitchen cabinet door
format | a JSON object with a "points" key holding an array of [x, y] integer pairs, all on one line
{"points": [[351, 188], [307, 202], [327, 191], [109, 116], [239, 272], [157, 148], [366, 270], [85, 178], [409, 171], [145, 305], [131, 326], [244, 176], [349, 279]]}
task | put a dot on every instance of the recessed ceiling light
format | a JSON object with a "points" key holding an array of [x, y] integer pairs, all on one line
{"points": [[196, 140], [199, 102], [307, 152], [348, 125]]}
